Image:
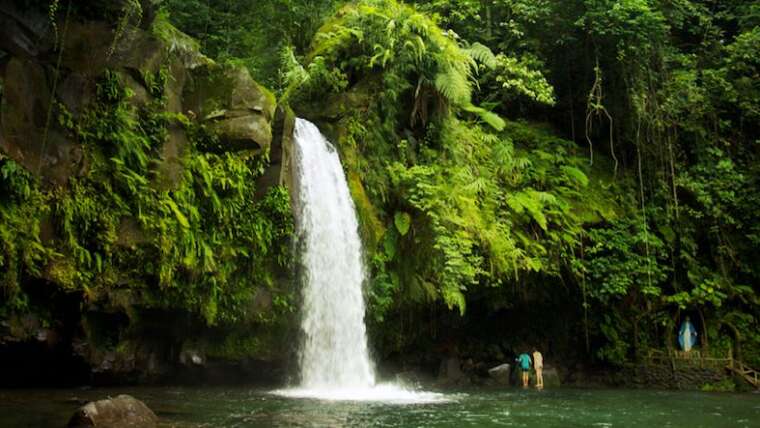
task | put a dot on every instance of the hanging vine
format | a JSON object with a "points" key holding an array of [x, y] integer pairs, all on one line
{"points": [[56, 76], [132, 10], [595, 108]]}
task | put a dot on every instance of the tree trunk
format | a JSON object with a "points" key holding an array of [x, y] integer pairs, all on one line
{"points": [[705, 342]]}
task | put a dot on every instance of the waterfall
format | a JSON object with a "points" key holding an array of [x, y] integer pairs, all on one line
{"points": [[334, 353], [334, 359]]}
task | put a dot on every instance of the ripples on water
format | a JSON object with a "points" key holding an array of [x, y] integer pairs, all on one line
{"points": [[241, 407]]}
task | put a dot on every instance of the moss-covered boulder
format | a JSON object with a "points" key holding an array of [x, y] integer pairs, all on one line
{"points": [[134, 215], [149, 59], [229, 102]]}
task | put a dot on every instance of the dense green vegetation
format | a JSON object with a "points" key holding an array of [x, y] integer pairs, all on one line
{"points": [[141, 230], [597, 156], [647, 212]]}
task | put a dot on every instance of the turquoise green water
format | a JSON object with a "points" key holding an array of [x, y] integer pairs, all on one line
{"points": [[245, 407]]}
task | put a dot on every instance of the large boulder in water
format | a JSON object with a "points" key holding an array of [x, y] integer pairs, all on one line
{"points": [[120, 412], [500, 374]]}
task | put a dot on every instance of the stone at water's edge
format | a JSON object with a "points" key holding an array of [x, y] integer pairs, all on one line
{"points": [[120, 412], [500, 374], [450, 373], [551, 377]]}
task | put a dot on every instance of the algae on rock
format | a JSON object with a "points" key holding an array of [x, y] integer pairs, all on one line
{"points": [[135, 197]]}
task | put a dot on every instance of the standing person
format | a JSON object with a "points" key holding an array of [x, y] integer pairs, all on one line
{"points": [[524, 360], [687, 336], [538, 364]]}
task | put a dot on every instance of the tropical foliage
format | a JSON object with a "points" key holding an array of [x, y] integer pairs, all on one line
{"points": [[649, 213], [201, 241], [593, 157]]}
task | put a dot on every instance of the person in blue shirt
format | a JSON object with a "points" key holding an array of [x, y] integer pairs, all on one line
{"points": [[524, 364]]}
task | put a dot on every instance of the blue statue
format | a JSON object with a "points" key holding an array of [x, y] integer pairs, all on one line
{"points": [[687, 335]]}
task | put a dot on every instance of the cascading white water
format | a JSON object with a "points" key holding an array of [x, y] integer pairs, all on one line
{"points": [[335, 363], [334, 353]]}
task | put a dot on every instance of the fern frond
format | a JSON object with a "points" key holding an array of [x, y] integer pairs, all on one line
{"points": [[482, 54], [489, 117], [575, 174], [454, 85]]}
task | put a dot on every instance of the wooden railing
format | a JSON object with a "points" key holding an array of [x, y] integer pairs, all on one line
{"points": [[695, 359], [748, 373]]}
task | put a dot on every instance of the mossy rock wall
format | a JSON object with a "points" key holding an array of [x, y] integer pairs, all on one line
{"points": [[141, 229]]}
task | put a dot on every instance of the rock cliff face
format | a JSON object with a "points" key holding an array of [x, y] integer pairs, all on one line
{"points": [[36, 88], [125, 321]]}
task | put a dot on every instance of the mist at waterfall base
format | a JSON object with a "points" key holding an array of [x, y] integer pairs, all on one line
{"points": [[334, 358]]}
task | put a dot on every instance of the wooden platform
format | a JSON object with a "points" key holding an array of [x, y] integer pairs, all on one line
{"points": [[694, 358]]}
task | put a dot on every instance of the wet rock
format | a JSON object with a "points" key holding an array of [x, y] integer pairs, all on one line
{"points": [[245, 132], [450, 372], [130, 233], [89, 51], [22, 29], [141, 12], [192, 357], [120, 412], [75, 91], [24, 118], [551, 377], [413, 378], [24, 111], [231, 104], [139, 96], [170, 170], [262, 301], [500, 374], [280, 169]]}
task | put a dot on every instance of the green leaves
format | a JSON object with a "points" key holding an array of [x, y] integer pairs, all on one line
{"points": [[520, 77], [491, 118], [528, 202], [402, 220], [425, 67], [200, 242], [180, 217], [454, 85], [420, 104], [481, 217], [575, 174]]}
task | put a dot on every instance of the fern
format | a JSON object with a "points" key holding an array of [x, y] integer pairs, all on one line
{"points": [[491, 118], [482, 54], [454, 86], [575, 174]]}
